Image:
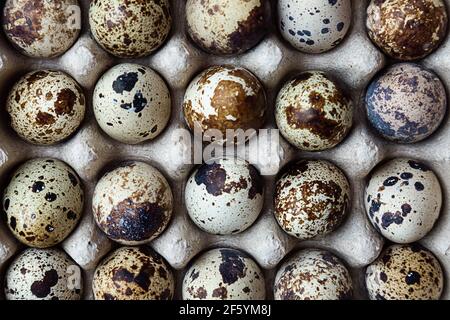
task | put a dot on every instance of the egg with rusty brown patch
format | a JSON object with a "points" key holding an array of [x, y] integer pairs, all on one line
{"points": [[407, 29], [130, 29], [312, 112], [46, 107], [313, 274], [224, 274], [312, 198], [405, 272], [133, 203], [133, 273], [43, 202], [41, 28], [225, 196], [227, 27]]}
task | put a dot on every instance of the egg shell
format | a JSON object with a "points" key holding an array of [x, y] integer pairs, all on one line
{"points": [[407, 29], [406, 103], [43, 274], [312, 112], [133, 203], [313, 274], [314, 26], [405, 272], [133, 273], [225, 197], [46, 107], [224, 274], [42, 28], [403, 200], [130, 29], [132, 103], [43, 202], [226, 27]]}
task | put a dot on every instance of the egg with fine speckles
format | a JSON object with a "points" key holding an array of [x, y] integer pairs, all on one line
{"points": [[132, 103], [312, 112], [403, 200], [405, 272], [406, 103], [314, 26], [133, 273], [225, 197], [43, 202], [224, 274], [311, 198], [313, 274]]}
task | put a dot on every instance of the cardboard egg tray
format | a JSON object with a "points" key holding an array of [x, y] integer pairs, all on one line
{"points": [[90, 151]]}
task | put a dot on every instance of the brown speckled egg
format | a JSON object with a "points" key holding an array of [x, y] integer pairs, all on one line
{"points": [[130, 29], [43, 202], [133, 273], [42, 28], [133, 203], [226, 27], [405, 272], [46, 107], [407, 29], [313, 113], [313, 274], [311, 198], [43, 274]]}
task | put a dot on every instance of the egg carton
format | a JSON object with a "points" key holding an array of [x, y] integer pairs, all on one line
{"points": [[354, 62]]}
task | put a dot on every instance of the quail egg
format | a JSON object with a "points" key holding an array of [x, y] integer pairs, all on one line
{"points": [[313, 113], [406, 103], [42, 28], [313, 274], [405, 272], [311, 198], [130, 29], [405, 29], [133, 273], [132, 103], [133, 203], [224, 274], [46, 107], [314, 26], [226, 27], [403, 200], [43, 202]]}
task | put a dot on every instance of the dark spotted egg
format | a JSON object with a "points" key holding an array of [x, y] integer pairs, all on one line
{"points": [[43, 202], [403, 200], [224, 274], [405, 272]]}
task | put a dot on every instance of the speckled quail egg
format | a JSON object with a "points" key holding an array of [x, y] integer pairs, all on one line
{"points": [[42, 28], [405, 29], [313, 113], [133, 273], [314, 26], [224, 274], [313, 274], [43, 202], [406, 103], [132, 103], [133, 203], [311, 198], [225, 196], [226, 27], [43, 274], [130, 29], [225, 97], [403, 200], [46, 107], [405, 272]]}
